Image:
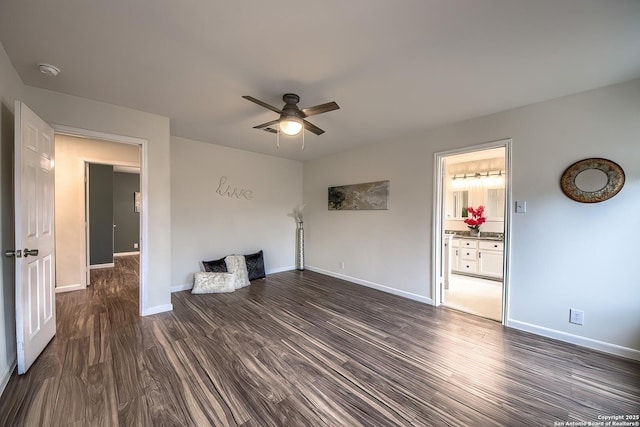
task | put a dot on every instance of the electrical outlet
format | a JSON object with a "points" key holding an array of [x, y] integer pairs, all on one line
{"points": [[341, 264], [576, 316], [135, 246]]}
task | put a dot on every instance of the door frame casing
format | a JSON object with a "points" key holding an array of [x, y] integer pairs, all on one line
{"points": [[144, 192], [438, 219]]}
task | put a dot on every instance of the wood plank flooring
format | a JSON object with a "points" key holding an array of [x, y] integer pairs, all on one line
{"points": [[303, 349]]}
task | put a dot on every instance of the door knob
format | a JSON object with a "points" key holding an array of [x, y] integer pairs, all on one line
{"points": [[11, 253], [32, 252]]}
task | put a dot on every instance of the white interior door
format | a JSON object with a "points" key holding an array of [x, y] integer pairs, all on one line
{"points": [[35, 244]]}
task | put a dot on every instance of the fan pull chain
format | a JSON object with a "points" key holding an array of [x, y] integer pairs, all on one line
{"points": [[278, 139], [303, 136]]}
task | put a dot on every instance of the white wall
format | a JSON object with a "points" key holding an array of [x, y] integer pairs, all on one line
{"points": [[386, 249], [564, 254], [206, 225], [71, 245], [10, 90], [60, 109]]}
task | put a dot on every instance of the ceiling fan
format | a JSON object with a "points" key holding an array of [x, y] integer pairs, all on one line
{"points": [[292, 118]]}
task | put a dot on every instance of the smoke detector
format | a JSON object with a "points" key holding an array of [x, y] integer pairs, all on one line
{"points": [[49, 70]]}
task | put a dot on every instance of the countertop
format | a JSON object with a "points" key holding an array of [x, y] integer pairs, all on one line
{"points": [[496, 237]]}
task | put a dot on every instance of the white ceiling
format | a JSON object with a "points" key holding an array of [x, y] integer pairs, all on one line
{"points": [[395, 67]]}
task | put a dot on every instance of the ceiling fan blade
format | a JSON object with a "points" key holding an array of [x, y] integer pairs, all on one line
{"points": [[312, 128], [319, 109], [262, 104], [272, 130], [264, 125]]}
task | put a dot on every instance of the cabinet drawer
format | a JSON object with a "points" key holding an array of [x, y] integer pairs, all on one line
{"points": [[467, 266], [468, 243], [491, 245], [470, 254]]}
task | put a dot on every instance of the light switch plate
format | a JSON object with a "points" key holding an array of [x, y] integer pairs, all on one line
{"points": [[576, 316], [521, 207]]}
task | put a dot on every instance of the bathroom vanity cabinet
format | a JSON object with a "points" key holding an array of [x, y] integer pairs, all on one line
{"points": [[477, 257]]}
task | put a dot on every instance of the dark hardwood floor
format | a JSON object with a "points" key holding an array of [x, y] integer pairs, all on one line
{"points": [[303, 349]]}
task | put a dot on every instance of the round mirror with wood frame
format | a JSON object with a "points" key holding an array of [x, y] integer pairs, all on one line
{"points": [[580, 183]]}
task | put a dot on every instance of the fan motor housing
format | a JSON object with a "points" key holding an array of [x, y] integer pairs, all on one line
{"points": [[290, 98], [291, 109]]}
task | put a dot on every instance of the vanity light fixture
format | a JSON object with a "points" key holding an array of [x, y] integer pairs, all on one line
{"points": [[493, 179], [478, 179]]}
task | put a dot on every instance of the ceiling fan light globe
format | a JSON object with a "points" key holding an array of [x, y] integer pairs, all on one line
{"points": [[290, 127]]}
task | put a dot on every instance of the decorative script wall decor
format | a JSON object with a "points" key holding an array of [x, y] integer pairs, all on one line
{"points": [[226, 190], [360, 197]]}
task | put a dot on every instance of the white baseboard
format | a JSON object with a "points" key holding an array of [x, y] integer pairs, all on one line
{"points": [[605, 347], [107, 265], [6, 376], [281, 269], [373, 285], [180, 288], [69, 288], [157, 309], [126, 253]]}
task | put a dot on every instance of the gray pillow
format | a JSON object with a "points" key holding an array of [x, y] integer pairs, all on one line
{"points": [[255, 265], [215, 266]]}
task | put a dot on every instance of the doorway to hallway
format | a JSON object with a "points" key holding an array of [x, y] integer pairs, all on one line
{"points": [[73, 217]]}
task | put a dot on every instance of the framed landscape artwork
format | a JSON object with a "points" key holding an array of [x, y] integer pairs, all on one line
{"points": [[360, 197]]}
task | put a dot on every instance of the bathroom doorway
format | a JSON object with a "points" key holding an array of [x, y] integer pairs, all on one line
{"points": [[472, 201]]}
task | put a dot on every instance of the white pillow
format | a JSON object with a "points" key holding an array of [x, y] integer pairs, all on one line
{"points": [[213, 283], [238, 267]]}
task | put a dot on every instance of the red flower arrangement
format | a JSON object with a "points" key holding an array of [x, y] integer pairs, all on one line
{"points": [[477, 218]]}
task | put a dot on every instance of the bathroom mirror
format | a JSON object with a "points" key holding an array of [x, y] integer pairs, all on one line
{"points": [[473, 179], [494, 202], [456, 204], [592, 180], [492, 199]]}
